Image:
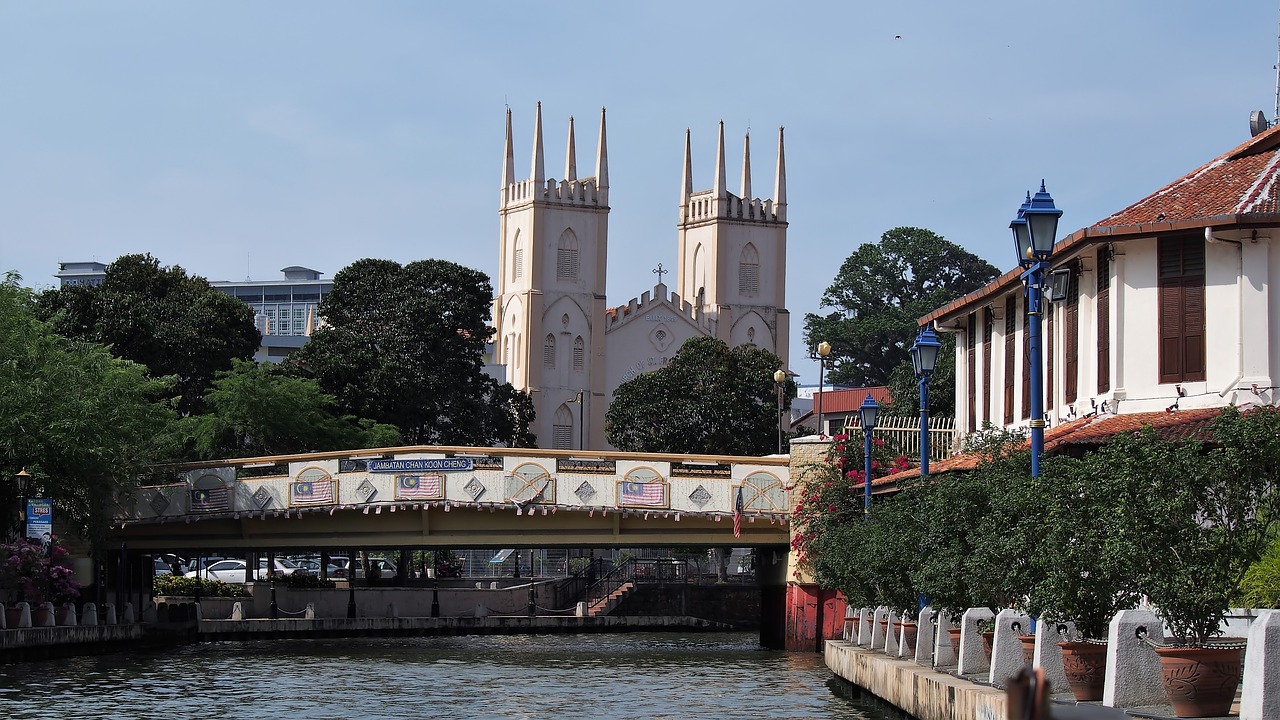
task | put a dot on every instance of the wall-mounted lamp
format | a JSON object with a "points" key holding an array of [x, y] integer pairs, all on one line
{"points": [[1059, 281]]}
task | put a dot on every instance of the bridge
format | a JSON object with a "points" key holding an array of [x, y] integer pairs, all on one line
{"points": [[426, 496]]}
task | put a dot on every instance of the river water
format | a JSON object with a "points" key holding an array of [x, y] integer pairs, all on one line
{"points": [[641, 675]]}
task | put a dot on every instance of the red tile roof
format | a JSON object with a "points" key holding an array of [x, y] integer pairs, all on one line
{"points": [[848, 401], [1237, 189]]}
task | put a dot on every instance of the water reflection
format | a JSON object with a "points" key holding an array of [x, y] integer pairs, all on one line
{"points": [[644, 675]]}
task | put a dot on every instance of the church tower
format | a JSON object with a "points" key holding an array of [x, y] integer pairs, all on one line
{"points": [[733, 254], [551, 290]]}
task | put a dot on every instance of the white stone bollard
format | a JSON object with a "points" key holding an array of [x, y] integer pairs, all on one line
{"points": [[493, 585], [943, 654], [973, 659], [46, 615], [482, 611], [865, 620], [309, 612], [1006, 648], [479, 586], [1048, 655], [925, 629], [237, 611], [877, 635], [846, 632], [197, 611], [68, 615], [891, 637], [581, 610], [1260, 699], [24, 616], [109, 614], [391, 610], [1133, 668], [90, 616]]}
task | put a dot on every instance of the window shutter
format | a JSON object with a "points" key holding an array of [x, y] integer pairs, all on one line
{"points": [[988, 329], [519, 263], [1071, 341], [1048, 341], [1193, 319], [549, 352], [1026, 363], [1103, 310], [566, 264], [971, 340], [1182, 310], [1010, 332], [748, 279], [579, 353], [562, 437]]}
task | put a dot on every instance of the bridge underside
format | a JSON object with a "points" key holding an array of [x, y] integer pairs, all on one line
{"points": [[458, 527]]}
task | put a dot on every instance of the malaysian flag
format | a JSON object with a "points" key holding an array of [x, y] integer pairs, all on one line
{"points": [[311, 492], [419, 487], [209, 499], [652, 494], [737, 512]]}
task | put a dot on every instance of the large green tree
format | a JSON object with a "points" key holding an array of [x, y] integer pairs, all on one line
{"points": [[709, 399], [80, 421], [255, 409], [879, 294], [161, 317], [404, 345]]}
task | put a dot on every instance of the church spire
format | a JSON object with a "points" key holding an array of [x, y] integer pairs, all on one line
{"points": [[780, 182], [719, 186], [686, 183], [746, 167], [509, 159], [602, 160], [570, 157], [537, 172]]}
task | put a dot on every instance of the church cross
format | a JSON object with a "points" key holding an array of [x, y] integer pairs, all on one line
{"points": [[660, 272]]}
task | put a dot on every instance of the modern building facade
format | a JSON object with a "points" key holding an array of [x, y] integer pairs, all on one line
{"points": [[1167, 307], [77, 274], [558, 336], [286, 311]]}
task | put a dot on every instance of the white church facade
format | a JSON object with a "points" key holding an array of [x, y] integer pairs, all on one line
{"points": [[557, 335]]}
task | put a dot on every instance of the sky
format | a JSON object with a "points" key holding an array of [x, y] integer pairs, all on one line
{"points": [[236, 138]]}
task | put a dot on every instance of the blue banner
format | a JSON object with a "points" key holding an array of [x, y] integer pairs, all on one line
{"points": [[419, 465], [40, 520]]}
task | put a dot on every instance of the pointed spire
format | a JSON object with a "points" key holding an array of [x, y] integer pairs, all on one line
{"points": [[509, 159], [536, 172], [746, 167], [570, 157], [602, 161], [719, 187], [686, 186], [780, 181]]}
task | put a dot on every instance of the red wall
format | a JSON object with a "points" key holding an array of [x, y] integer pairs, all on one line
{"points": [[814, 615]]}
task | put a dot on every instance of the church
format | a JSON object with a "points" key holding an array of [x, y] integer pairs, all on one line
{"points": [[558, 336]]}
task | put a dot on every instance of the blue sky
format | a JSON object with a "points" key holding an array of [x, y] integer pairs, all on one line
{"points": [[236, 138]]}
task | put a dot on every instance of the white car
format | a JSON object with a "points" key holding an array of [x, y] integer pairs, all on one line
{"points": [[232, 571]]}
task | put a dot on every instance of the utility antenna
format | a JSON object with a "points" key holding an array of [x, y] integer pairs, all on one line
{"points": [[247, 276]]}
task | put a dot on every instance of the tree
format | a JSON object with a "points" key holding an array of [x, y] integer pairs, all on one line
{"points": [[880, 293], [255, 409], [81, 422], [160, 317], [404, 345], [904, 388], [709, 399]]}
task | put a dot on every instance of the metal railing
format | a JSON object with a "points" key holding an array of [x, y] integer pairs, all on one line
{"points": [[903, 433]]}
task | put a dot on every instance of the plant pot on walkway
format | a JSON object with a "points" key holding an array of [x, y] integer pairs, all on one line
{"points": [[1200, 681], [1085, 665], [953, 633], [988, 638], [908, 639], [1028, 648]]}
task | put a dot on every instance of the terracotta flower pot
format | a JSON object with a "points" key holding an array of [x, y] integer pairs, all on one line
{"points": [[954, 634], [909, 630], [11, 617], [1028, 648], [1085, 665], [987, 638], [1200, 681]]}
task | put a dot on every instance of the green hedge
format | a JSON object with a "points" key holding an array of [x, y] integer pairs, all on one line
{"points": [[185, 586]]}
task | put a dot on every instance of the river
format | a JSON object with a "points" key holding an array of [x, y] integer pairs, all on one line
{"points": [[641, 675]]}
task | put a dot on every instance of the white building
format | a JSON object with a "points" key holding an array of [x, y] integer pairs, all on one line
{"points": [[1168, 307], [556, 333], [285, 310]]}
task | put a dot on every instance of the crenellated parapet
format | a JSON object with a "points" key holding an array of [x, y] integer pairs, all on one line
{"points": [[581, 192], [572, 190], [704, 205], [658, 298]]}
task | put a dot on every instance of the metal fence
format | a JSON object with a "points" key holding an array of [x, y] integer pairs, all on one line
{"points": [[903, 433]]}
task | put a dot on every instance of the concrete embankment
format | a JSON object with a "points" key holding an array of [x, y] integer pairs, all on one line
{"points": [[912, 688], [215, 630], [49, 642]]}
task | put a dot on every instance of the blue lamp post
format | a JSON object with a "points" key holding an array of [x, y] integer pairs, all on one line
{"points": [[1034, 230], [868, 413], [924, 357]]}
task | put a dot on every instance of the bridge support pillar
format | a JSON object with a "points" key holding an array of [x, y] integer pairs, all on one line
{"points": [[814, 615]]}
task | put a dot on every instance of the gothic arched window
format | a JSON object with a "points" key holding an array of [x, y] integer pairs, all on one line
{"points": [[749, 271], [579, 354], [517, 258], [549, 351], [562, 428], [567, 256]]}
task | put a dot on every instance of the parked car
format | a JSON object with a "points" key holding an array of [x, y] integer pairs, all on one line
{"points": [[338, 568], [233, 571]]}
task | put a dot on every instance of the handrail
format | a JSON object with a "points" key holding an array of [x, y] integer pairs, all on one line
{"points": [[617, 576]]}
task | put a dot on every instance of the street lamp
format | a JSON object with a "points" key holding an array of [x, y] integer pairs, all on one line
{"points": [[1034, 230], [924, 357], [578, 399], [868, 413], [22, 479], [823, 351], [780, 380]]}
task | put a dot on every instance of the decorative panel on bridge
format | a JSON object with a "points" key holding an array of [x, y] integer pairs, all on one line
{"points": [[673, 488]]}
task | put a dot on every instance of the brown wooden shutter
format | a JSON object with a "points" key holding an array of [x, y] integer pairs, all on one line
{"points": [[971, 341], [1193, 318], [1048, 341], [1180, 261], [1103, 310], [1010, 332], [1170, 298], [988, 329], [1026, 363], [1071, 340]]}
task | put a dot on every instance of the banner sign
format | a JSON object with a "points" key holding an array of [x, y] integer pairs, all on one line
{"points": [[586, 467], [484, 462], [701, 470], [40, 519], [419, 465]]}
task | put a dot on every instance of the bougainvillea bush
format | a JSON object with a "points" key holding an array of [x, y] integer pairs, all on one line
{"points": [[30, 573], [829, 534]]}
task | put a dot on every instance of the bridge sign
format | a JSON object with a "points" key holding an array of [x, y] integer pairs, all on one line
{"points": [[419, 465]]}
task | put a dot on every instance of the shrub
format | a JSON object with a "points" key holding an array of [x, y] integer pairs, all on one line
{"points": [[303, 581], [190, 586], [30, 574]]}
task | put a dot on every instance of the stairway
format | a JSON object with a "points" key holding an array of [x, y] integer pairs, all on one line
{"points": [[606, 605]]}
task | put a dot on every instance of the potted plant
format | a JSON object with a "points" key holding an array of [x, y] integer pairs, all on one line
{"points": [[1203, 518]]}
